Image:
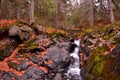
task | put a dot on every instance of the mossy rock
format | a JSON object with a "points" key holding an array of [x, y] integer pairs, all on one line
{"points": [[99, 66], [96, 61], [103, 67], [116, 41], [111, 70], [28, 46], [6, 51]]}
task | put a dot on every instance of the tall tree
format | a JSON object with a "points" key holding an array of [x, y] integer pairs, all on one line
{"points": [[112, 19], [91, 12], [31, 12]]}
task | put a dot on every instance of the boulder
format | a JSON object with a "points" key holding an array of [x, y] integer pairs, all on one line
{"points": [[33, 73], [58, 77], [22, 66], [59, 57], [116, 52]]}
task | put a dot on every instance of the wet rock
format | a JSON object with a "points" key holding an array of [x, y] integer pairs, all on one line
{"points": [[116, 52], [8, 49], [72, 47], [22, 66], [60, 57], [23, 32], [32, 74], [30, 46], [64, 45], [9, 76], [58, 77], [14, 31], [86, 50], [6, 77], [37, 60], [92, 40]]}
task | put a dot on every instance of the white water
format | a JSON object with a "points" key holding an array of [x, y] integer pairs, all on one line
{"points": [[74, 68]]}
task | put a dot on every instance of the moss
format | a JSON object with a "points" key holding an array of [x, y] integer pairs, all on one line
{"points": [[28, 45], [12, 64], [105, 28], [56, 34], [102, 49], [98, 65], [116, 40], [109, 69], [21, 22], [2, 55], [95, 64]]}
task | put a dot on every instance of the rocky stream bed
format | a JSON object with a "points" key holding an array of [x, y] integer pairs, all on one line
{"points": [[28, 53]]}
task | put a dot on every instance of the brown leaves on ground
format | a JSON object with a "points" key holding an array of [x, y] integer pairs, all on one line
{"points": [[4, 65], [6, 22], [44, 69]]}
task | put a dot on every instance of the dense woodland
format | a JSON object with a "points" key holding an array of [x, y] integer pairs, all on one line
{"points": [[61, 13], [59, 40]]}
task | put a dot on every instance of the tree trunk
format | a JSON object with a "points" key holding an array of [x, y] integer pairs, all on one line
{"points": [[112, 19], [91, 13], [31, 12], [1, 3], [117, 6], [57, 12]]}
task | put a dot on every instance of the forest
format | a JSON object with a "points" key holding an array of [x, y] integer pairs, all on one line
{"points": [[59, 40]]}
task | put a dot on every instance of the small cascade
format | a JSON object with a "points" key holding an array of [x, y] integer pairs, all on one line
{"points": [[73, 72]]}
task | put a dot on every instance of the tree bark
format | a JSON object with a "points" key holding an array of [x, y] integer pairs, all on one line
{"points": [[31, 12], [57, 13], [1, 2], [116, 5], [112, 19], [91, 13]]}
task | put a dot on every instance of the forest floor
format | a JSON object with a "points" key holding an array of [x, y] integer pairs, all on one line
{"points": [[38, 53]]}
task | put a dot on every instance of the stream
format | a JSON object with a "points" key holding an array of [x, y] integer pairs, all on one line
{"points": [[73, 72]]}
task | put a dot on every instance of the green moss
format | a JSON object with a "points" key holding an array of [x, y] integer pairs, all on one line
{"points": [[116, 40], [28, 45], [102, 49], [56, 34], [12, 64], [105, 28], [95, 64], [21, 23], [31, 44], [98, 68], [109, 70]]}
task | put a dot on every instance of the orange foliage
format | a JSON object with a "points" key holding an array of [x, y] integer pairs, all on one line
{"points": [[44, 69], [106, 53], [49, 62], [4, 65], [6, 22]]}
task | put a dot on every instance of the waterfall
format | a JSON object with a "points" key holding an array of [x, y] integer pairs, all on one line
{"points": [[74, 68]]}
